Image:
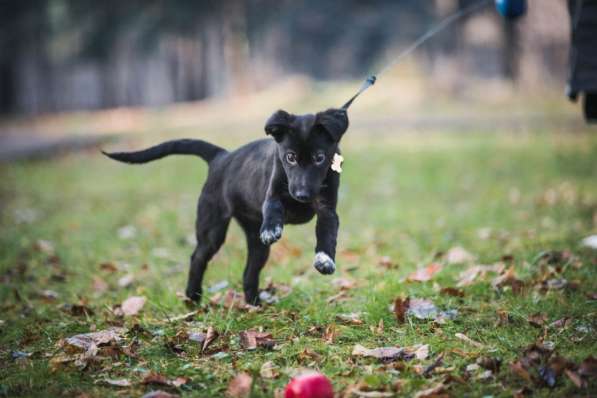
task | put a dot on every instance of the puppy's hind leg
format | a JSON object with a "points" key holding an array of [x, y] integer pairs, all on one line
{"points": [[211, 231], [257, 256]]}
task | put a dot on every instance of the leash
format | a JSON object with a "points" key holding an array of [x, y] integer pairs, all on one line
{"points": [[370, 81]]}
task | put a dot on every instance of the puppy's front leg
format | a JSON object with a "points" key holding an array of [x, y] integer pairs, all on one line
{"points": [[272, 209], [327, 232], [273, 220]]}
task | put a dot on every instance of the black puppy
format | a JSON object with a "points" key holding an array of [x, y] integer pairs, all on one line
{"points": [[264, 185]]}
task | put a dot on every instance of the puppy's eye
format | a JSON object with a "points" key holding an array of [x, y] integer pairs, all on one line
{"points": [[291, 158], [319, 158]]}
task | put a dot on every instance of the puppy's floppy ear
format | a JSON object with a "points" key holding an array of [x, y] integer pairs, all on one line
{"points": [[334, 122], [277, 125]]}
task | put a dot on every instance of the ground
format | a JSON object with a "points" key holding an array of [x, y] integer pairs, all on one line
{"points": [[81, 234]]}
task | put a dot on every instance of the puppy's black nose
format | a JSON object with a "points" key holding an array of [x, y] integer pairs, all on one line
{"points": [[302, 196]]}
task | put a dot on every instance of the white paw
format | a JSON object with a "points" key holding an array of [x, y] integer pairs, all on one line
{"points": [[324, 264], [269, 236]]}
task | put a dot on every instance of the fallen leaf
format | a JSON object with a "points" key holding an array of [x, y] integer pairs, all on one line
{"points": [[155, 378], [48, 295], [400, 308], [575, 378], [458, 255], [422, 308], [99, 285], [468, 276], [537, 320], [229, 299], [240, 386], [209, 338], [435, 364], [379, 329], [426, 273], [45, 246], [490, 363], [77, 309], [387, 262], [159, 394], [87, 341], [452, 291], [422, 352], [126, 280], [183, 317], [508, 278], [330, 334], [197, 337], [108, 267], [385, 354], [467, 339], [344, 283], [132, 305], [371, 394], [342, 296], [268, 370], [127, 232], [588, 367], [216, 287], [353, 318], [432, 392], [251, 339], [118, 382], [561, 324]]}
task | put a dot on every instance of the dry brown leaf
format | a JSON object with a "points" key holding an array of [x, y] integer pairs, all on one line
{"points": [[422, 308], [344, 283], [452, 291], [342, 296], [159, 394], [520, 370], [252, 339], [330, 334], [400, 308], [108, 267], [371, 394], [467, 339], [90, 341], [353, 318], [99, 285], [468, 276], [458, 255], [537, 320], [588, 367], [229, 299], [209, 338], [508, 278], [240, 386], [126, 280], [132, 305], [387, 262], [421, 352], [426, 273], [575, 378], [156, 378], [385, 354], [118, 382], [268, 370], [432, 392]]}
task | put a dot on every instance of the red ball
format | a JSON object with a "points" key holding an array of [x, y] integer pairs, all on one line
{"points": [[309, 385]]}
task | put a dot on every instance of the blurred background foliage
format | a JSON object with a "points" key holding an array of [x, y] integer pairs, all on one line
{"points": [[64, 55]]}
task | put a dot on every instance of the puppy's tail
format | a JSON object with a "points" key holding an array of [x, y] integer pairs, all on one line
{"points": [[200, 148]]}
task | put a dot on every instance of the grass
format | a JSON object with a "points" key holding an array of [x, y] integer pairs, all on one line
{"points": [[405, 197]]}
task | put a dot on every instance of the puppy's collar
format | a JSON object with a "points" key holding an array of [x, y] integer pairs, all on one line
{"points": [[337, 163]]}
